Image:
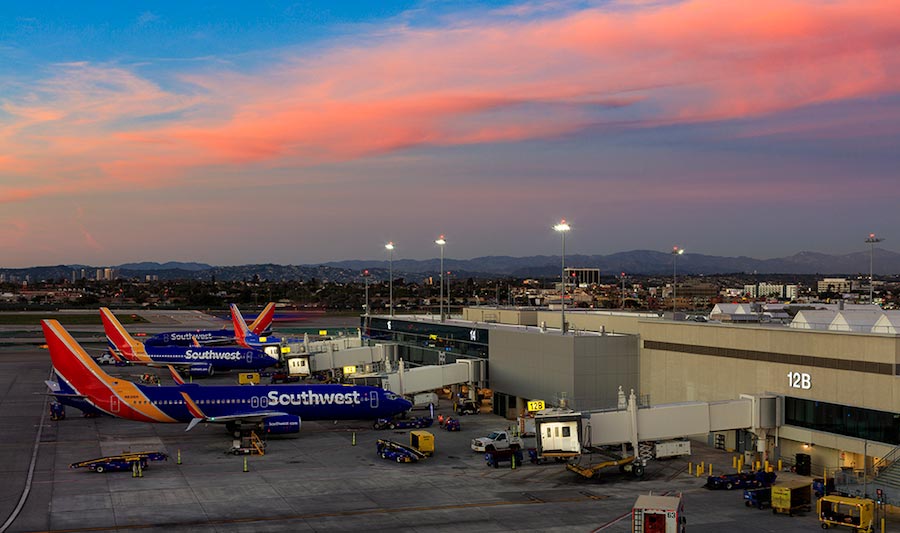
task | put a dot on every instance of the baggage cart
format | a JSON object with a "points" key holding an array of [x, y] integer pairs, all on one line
{"points": [[759, 497], [857, 514], [792, 497], [422, 441]]}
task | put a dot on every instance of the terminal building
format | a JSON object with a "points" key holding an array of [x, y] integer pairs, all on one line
{"points": [[839, 387]]}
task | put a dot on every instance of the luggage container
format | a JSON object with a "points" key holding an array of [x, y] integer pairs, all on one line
{"points": [[792, 497], [423, 441], [855, 513], [658, 514], [759, 498]]}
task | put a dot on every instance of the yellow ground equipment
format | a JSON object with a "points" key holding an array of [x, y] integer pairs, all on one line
{"points": [[423, 441], [855, 513], [248, 378], [792, 497]]}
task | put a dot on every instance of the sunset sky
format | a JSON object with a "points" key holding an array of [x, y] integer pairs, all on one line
{"points": [[295, 133]]}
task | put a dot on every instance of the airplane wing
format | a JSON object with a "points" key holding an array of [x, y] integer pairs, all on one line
{"points": [[200, 416], [248, 417]]}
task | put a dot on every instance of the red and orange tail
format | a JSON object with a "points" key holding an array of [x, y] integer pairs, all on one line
{"points": [[130, 349], [264, 320], [73, 364], [240, 326], [114, 396]]}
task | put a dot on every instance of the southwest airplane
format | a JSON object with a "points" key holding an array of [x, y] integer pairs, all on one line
{"points": [[199, 360], [279, 408], [214, 336], [244, 335]]}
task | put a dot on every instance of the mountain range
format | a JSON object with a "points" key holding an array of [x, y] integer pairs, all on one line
{"points": [[636, 262]]}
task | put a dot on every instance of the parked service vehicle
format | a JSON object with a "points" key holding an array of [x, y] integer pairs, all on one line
{"points": [[465, 407], [495, 457], [394, 451], [416, 422], [497, 440], [792, 497], [118, 463], [760, 497], [671, 448], [843, 511], [741, 480], [658, 514]]}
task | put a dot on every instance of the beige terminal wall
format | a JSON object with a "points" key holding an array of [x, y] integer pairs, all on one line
{"points": [[674, 376]]}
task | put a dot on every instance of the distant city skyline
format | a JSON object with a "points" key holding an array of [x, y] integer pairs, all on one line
{"points": [[307, 133]]}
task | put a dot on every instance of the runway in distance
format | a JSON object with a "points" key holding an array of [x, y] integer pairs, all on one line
{"points": [[260, 326], [197, 360], [280, 408]]}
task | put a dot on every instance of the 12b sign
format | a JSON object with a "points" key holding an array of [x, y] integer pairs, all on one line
{"points": [[799, 380]]}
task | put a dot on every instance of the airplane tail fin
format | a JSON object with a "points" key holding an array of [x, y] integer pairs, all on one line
{"points": [[264, 320], [75, 368], [116, 396], [129, 348], [240, 326]]}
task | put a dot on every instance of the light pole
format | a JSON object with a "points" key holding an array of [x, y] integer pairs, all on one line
{"points": [[872, 240], [390, 248], [676, 251], [366, 277], [623, 291], [441, 242], [563, 228]]}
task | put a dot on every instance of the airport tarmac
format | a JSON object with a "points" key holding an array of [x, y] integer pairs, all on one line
{"points": [[318, 480]]}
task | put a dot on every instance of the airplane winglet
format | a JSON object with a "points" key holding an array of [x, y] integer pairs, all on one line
{"points": [[193, 424], [176, 377]]}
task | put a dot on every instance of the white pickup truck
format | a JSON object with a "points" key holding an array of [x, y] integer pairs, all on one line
{"points": [[497, 440]]}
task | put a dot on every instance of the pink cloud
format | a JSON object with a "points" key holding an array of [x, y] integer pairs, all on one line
{"points": [[492, 79]]}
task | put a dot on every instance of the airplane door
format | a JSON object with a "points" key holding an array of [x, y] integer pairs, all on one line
{"points": [[373, 399], [249, 358], [114, 404]]}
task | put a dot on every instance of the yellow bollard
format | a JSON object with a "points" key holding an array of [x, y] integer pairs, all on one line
{"points": [[690, 468], [512, 461], [767, 465], [780, 465], [246, 468], [734, 462], [710, 469], [740, 466], [178, 461], [354, 439]]}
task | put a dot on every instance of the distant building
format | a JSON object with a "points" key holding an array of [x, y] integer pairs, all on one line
{"points": [[582, 277], [840, 285], [765, 290]]}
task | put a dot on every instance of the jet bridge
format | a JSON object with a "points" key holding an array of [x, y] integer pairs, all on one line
{"points": [[407, 381], [631, 425]]}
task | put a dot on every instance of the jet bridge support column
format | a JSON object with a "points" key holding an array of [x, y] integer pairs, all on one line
{"points": [[632, 417]]}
